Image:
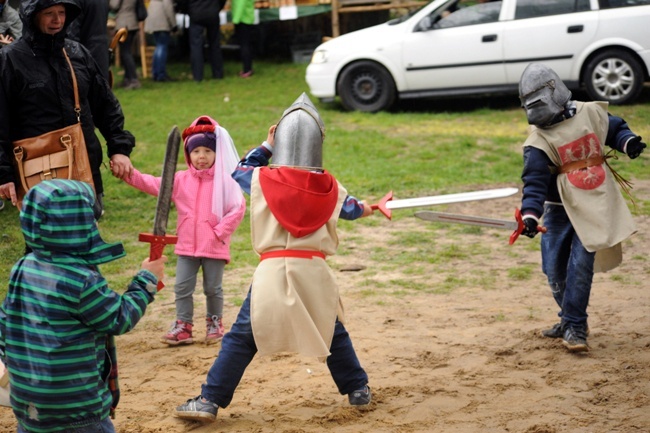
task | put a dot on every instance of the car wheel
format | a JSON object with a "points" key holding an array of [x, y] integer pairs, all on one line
{"points": [[366, 86], [613, 76]]}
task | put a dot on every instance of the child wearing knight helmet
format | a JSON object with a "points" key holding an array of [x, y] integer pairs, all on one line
{"points": [[210, 207]]}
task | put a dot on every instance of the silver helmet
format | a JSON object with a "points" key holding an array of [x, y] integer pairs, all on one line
{"points": [[542, 94], [299, 136]]}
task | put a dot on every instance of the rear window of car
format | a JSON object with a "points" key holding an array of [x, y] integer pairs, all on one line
{"points": [[610, 4], [542, 8]]}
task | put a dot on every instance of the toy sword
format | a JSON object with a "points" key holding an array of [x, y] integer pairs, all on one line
{"points": [[386, 204], [517, 225], [159, 238]]}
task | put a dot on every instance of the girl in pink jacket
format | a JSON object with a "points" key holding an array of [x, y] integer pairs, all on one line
{"points": [[210, 207]]}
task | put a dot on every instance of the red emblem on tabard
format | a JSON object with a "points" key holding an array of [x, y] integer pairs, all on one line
{"points": [[581, 149]]}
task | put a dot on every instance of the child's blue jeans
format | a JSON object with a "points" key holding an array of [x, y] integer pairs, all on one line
{"points": [[568, 266], [238, 349]]}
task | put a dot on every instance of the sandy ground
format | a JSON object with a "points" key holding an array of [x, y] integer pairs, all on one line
{"points": [[450, 346]]}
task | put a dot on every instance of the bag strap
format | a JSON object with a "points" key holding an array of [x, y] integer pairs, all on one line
{"points": [[77, 107]]}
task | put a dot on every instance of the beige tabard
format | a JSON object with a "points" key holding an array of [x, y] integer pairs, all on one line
{"points": [[294, 301], [591, 196]]}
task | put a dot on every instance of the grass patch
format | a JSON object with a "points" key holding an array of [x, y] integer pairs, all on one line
{"points": [[428, 148]]}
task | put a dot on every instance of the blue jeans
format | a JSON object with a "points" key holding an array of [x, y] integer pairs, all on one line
{"points": [[238, 349], [103, 426], [568, 266], [159, 66]]}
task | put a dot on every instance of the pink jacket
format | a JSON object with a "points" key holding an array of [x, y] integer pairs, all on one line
{"points": [[199, 233]]}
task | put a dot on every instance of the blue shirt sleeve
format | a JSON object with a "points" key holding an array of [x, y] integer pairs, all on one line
{"points": [[351, 209], [258, 157], [618, 133]]}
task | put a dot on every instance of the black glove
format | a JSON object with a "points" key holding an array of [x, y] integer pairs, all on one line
{"points": [[530, 227], [175, 29], [635, 147]]}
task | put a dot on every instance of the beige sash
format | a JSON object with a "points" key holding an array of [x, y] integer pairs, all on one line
{"points": [[294, 300]]}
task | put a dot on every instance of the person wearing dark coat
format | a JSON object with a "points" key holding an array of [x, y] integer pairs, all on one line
{"points": [[204, 17], [90, 28], [36, 96]]}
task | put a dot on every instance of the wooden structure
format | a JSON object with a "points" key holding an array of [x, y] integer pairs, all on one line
{"points": [[350, 6]]}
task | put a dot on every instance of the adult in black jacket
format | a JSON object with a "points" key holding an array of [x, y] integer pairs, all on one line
{"points": [[36, 95], [90, 28], [204, 16]]}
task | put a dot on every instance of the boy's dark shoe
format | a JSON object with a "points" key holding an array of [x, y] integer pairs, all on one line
{"points": [[360, 397], [557, 331], [575, 339], [553, 332], [198, 409]]}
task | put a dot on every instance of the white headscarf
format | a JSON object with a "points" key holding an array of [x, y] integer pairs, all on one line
{"points": [[226, 194]]}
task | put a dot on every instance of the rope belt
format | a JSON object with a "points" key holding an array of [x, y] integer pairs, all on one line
{"points": [[625, 184], [301, 254]]}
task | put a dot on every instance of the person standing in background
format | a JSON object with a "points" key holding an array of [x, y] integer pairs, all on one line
{"points": [[161, 21], [90, 29], [204, 17], [11, 27], [126, 18], [243, 17]]}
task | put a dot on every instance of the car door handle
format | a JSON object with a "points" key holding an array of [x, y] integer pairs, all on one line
{"points": [[489, 38], [576, 29]]}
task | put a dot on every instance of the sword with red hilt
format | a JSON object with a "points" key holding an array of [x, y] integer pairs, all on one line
{"points": [[387, 204], [517, 225], [159, 237]]}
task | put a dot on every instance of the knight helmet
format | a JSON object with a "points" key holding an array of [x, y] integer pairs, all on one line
{"points": [[299, 136], [542, 94]]}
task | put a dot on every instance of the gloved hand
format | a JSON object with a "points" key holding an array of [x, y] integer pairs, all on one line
{"points": [[530, 227], [635, 147], [174, 29]]}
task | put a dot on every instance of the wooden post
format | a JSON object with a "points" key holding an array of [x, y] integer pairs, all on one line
{"points": [[143, 50], [335, 18]]}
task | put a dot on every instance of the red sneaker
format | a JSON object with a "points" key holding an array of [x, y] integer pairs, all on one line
{"points": [[180, 333], [214, 329]]}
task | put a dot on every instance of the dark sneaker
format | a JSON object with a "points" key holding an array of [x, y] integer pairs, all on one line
{"points": [[198, 409], [575, 339], [557, 332], [360, 397], [554, 332]]}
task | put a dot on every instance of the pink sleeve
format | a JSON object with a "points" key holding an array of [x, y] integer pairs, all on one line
{"points": [[230, 221], [144, 182]]}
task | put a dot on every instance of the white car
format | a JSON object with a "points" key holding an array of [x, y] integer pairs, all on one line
{"points": [[458, 48]]}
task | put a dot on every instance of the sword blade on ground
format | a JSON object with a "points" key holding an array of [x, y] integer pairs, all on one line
{"points": [[158, 238], [517, 225], [386, 204]]}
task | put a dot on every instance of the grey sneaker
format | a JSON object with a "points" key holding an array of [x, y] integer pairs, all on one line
{"points": [[553, 332], [198, 409], [575, 339], [360, 397]]}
